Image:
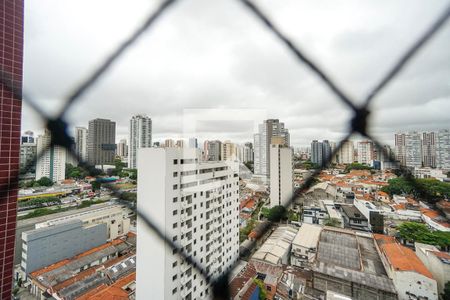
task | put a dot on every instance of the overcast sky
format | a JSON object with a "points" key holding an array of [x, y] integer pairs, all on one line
{"points": [[210, 69]]}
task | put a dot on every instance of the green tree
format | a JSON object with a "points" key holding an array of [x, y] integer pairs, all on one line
{"points": [[418, 232], [428, 189], [96, 185], [133, 174], [44, 181], [446, 294], [356, 166], [277, 213], [332, 222], [128, 196]]}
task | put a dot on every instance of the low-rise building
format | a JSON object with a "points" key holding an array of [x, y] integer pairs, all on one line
{"points": [[411, 277], [354, 219], [277, 247], [114, 216], [304, 245], [435, 220], [437, 262], [348, 263], [70, 278], [314, 214], [47, 245]]}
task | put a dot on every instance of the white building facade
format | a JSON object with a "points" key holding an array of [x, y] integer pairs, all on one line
{"points": [[281, 175], [443, 150], [195, 203], [140, 137], [52, 160]]}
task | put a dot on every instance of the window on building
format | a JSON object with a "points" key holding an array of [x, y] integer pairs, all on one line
{"points": [[175, 161]]}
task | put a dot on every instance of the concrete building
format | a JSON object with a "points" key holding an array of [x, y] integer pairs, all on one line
{"points": [[411, 278], [81, 141], [428, 172], [345, 155], [354, 219], [28, 150], [429, 149], [314, 214], [437, 262], [52, 162], [245, 153], [213, 150], [266, 131], [140, 137], [304, 245], [277, 248], [180, 143], [114, 216], [443, 149], [413, 150], [348, 263], [193, 143], [122, 150], [169, 143], [196, 204], [101, 144], [321, 152], [365, 152], [228, 151], [281, 175], [92, 270], [400, 149], [47, 245]]}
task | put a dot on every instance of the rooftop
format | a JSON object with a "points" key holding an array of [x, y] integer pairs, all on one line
{"points": [[352, 212], [307, 236], [276, 246], [400, 257], [351, 256]]}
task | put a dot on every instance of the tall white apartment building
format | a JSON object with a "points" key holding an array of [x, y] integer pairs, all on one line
{"points": [[413, 149], [400, 149], [195, 203], [346, 154], [245, 152], [365, 152], [81, 139], [52, 162], [281, 175], [443, 149], [269, 129], [140, 137]]}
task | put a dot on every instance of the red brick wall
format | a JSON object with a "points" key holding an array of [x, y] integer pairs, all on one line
{"points": [[11, 54]]}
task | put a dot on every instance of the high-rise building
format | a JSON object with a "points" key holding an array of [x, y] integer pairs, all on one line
{"points": [[11, 57], [122, 149], [365, 152], [140, 137], [266, 132], [169, 143], [245, 152], [429, 149], [101, 142], [52, 160], [443, 149], [400, 150], [180, 144], [81, 140], [321, 152], [213, 150], [413, 150], [28, 152], [70, 157], [193, 142], [316, 152], [196, 204], [346, 154], [28, 137], [228, 151], [281, 175]]}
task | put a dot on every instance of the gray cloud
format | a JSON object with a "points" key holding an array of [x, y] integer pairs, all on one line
{"points": [[215, 54]]}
